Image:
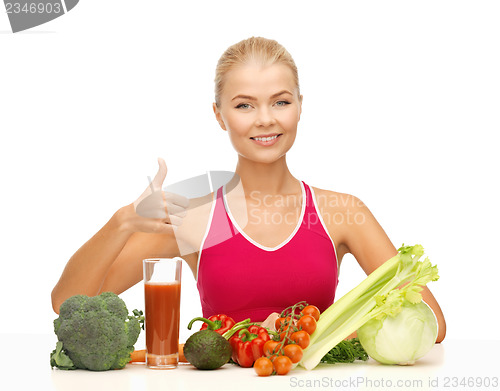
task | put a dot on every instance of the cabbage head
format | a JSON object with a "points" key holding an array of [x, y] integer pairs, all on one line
{"points": [[401, 339]]}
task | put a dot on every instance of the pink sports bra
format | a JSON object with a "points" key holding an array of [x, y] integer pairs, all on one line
{"points": [[243, 279]]}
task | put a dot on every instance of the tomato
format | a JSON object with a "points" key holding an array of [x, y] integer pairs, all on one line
{"points": [[294, 352], [301, 338], [311, 310], [282, 365], [282, 336], [280, 322], [263, 366], [269, 347], [307, 323], [285, 332]]}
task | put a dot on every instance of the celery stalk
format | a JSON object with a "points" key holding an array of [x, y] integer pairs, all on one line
{"points": [[378, 295]]}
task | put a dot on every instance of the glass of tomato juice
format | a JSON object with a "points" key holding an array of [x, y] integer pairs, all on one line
{"points": [[162, 293]]}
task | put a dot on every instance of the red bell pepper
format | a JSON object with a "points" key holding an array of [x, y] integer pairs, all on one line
{"points": [[218, 323], [248, 345]]}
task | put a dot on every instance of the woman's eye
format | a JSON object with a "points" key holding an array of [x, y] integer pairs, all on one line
{"points": [[243, 106], [282, 103]]}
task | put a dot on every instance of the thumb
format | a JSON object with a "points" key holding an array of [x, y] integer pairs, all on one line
{"points": [[160, 175]]}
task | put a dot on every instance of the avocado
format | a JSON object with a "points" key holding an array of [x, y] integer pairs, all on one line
{"points": [[206, 349]]}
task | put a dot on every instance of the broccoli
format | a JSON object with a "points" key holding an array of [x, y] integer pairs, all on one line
{"points": [[96, 333]]}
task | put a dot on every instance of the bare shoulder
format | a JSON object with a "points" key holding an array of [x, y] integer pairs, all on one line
{"points": [[336, 201], [359, 232], [340, 212]]}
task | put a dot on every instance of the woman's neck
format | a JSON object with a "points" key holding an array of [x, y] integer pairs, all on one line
{"points": [[267, 178]]}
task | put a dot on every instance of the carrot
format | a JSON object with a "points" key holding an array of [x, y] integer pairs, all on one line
{"points": [[140, 355], [182, 358]]}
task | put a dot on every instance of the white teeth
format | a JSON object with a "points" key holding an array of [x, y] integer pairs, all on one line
{"points": [[265, 138]]}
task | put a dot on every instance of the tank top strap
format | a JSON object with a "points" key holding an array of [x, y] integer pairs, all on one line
{"points": [[310, 214], [309, 199], [313, 220], [220, 227]]}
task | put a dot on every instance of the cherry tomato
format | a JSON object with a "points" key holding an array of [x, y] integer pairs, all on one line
{"points": [[263, 366], [280, 322], [282, 336], [301, 338], [311, 310], [282, 365], [269, 347], [307, 323], [285, 332], [294, 352]]}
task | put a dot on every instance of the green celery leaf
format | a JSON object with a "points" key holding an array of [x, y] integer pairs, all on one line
{"points": [[412, 294]]}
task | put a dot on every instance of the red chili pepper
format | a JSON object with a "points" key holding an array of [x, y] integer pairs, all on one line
{"points": [[218, 323], [248, 345]]}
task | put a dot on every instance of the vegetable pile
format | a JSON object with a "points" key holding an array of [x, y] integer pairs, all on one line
{"points": [[252, 345], [95, 333]]}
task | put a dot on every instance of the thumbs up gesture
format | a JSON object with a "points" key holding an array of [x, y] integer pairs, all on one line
{"points": [[159, 211]]}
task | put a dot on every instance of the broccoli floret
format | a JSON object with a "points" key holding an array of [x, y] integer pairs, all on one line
{"points": [[59, 359], [96, 332]]}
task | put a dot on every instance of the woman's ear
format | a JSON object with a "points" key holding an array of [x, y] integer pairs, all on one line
{"points": [[218, 116], [300, 105]]}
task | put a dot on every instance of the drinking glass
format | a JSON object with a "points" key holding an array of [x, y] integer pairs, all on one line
{"points": [[162, 293]]}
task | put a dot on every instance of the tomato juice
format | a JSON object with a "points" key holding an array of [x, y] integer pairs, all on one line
{"points": [[162, 309]]}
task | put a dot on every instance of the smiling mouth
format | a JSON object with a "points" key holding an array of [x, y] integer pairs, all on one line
{"points": [[266, 138]]}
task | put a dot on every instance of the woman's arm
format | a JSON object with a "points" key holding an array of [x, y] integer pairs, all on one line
{"points": [[370, 245]]}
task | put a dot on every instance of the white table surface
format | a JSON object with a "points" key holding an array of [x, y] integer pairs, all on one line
{"points": [[452, 365]]}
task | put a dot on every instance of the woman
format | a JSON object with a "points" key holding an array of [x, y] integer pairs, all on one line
{"points": [[267, 244]]}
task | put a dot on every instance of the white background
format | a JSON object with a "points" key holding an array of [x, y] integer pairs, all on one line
{"points": [[401, 106]]}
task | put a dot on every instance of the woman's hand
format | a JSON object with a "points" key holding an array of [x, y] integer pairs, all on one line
{"points": [[155, 211], [270, 321]]}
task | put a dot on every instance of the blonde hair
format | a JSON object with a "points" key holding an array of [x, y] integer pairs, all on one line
{"points": [[252, 50]]}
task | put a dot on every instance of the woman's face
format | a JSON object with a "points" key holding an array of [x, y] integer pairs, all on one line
{"points": [[260, 109]]}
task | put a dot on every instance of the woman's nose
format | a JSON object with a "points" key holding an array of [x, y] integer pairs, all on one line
{"points": [[265, 117]]}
